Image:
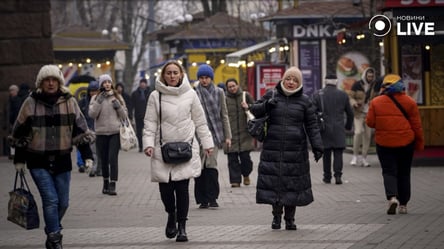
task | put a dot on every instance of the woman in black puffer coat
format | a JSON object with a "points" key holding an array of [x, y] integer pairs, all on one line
{"points": [[284, 168]]}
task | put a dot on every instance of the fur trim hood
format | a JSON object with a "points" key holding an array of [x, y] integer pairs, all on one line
{"points": [[51, 71]]}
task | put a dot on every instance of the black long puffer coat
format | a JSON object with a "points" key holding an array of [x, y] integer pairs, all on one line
{"points": [[284, 168]]}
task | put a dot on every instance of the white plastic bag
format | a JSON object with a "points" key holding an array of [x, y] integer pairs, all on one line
{"points": [[128, 138]]}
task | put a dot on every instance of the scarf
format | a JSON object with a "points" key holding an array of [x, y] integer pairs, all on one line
{"points": [[397, 87], [210, 99], [289, 92]]}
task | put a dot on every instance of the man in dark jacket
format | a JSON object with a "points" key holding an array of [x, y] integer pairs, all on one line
{"points": [[93, 89], [12, 109], [120, 88], [333, 103], [139, 99]]}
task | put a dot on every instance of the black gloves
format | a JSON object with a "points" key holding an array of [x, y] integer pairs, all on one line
{"points": [[116, 104], [317, 154]]}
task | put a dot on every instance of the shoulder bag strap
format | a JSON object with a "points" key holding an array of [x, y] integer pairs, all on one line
{"points": [[322, 100], [399, 106], [23, 182], [160, 119]]}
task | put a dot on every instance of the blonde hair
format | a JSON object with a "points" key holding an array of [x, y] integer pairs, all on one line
{"points": [[171, 62]]}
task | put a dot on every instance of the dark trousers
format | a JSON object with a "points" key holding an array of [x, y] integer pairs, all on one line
{"points": [[139, 130], [239, 164], [337, 162], [108, 147], [175, 197], [396, 164], [206, 187], [289, 214]]}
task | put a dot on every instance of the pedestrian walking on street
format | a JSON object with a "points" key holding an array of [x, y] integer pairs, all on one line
{"points": [[284, 168], [240, 164], [11, 111], [108, 110], [398, 133], [120, 88], [182, 118], [139, 99], [362, 92], [47, 126], [206, 188], [92, 90], [338, 117]]}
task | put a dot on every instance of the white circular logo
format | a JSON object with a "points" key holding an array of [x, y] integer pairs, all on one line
{"points": [[380, 25]]}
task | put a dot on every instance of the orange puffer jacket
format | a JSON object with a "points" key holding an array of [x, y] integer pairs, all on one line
{"points": [[392, 129]]}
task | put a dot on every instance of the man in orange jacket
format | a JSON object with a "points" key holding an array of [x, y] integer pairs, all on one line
{"points": [[398, 133]]}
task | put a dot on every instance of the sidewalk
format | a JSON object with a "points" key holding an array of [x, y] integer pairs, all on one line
{"points": [[351, 215]]}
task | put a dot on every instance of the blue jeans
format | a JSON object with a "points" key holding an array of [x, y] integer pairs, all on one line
{"points": [[54, 190], [79, 159]]}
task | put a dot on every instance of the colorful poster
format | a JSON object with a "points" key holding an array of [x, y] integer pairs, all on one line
{"points": [[349, 68]]}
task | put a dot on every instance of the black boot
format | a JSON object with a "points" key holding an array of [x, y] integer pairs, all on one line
{"points": [[105, 189], [277, 216], [112, 188], [171, 229], [182, 236], [289, 217], [338, 180], [276, 223], [54, 241]]}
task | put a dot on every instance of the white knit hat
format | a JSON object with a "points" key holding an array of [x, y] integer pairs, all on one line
{"points": [[104, 77], [49, 71]]}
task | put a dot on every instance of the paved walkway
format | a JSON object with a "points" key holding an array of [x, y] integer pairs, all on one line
{"points": [[351, 215]]}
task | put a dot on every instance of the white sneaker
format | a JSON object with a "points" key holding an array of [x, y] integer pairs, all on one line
{"points": [[365, 163], [354, 160], [392, 205], [402, 210]]}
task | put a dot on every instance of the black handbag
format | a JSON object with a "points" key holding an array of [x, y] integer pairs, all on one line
{"points": [[257, 127], [22, 208], [174, 152]]}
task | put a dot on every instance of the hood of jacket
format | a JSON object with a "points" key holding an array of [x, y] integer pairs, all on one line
{"points": [[183, 87]]}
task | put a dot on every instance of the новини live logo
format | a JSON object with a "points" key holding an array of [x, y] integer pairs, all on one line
{"points": [[406, 25]]}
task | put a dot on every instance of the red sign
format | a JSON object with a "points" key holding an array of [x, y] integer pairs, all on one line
{"points": [[412, 3], [268, 76]]}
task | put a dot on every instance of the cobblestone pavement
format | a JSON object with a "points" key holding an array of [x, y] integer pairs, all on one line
{"points": [[351, 215]]}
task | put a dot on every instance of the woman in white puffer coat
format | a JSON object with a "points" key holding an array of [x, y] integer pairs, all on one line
{"points": [[182, 118]]}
